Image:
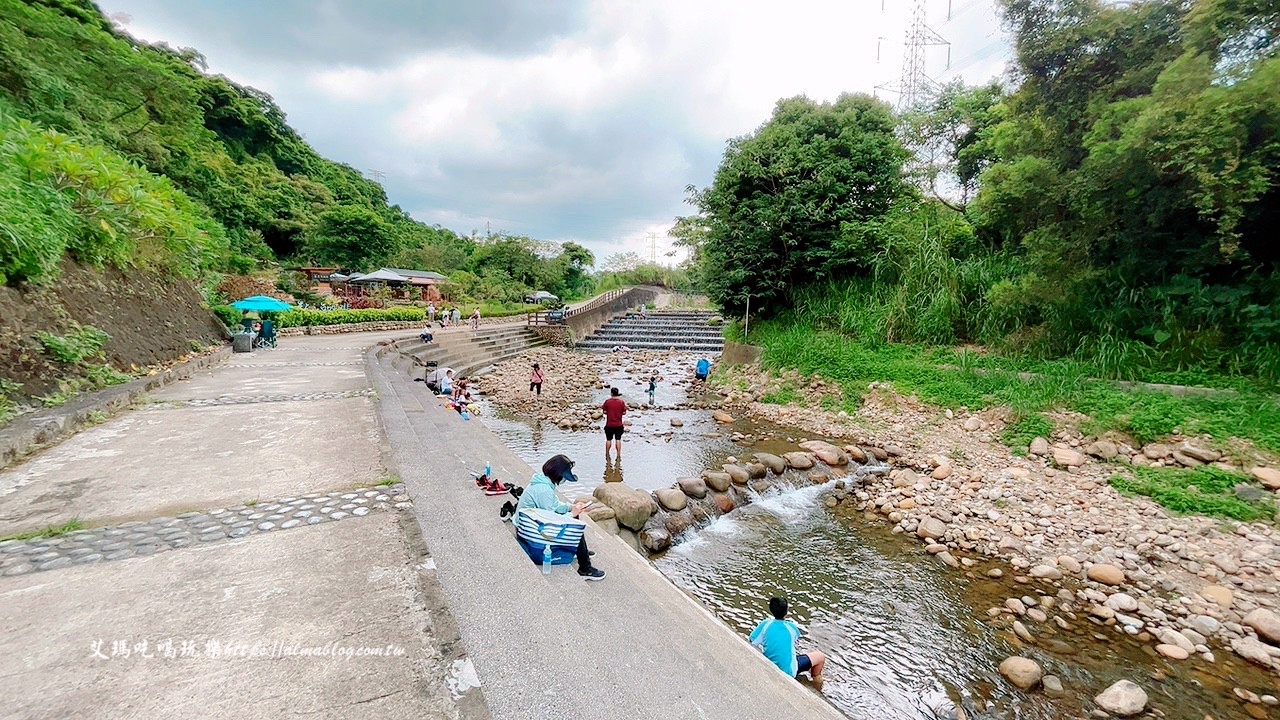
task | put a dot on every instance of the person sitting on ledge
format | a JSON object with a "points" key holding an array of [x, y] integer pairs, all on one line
{"points": [[777, 637], [541, 495]]}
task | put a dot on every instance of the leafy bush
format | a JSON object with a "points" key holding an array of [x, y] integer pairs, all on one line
{"points": [[228, 315], [305, 318], [104, 375], [1203, 491], [80, 342]]}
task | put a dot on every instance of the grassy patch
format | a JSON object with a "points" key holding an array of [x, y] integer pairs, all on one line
{"points": [[1019, 433], [782, 396], [70, 526], [80, 343], [388, 481], [1200, 491], [950, 378]]}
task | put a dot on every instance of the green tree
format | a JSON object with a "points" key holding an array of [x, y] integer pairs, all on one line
{"points": [[951, 140], [784, 197], [574, 261], [351, 237]]}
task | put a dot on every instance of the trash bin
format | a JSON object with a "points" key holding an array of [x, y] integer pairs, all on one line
{"points": [[242, 342]]}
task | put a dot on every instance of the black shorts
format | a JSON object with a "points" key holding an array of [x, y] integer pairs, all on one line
{"points": [[612, 433], [700, 376], [803, 664]]}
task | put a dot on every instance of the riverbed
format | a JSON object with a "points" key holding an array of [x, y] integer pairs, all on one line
{"points": [[908, 637]]}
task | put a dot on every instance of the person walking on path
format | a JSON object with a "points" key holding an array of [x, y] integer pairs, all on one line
{"points": [[541, 495], [776, 637], [457, 316], [431, 313], [536, 378], [475, 319], [614, 408]]}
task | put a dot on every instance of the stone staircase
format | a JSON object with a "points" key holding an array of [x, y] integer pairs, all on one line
{"points": [[463, 350], [679, 330]]}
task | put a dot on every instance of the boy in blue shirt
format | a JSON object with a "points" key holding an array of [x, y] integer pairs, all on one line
{"points": [[703, 370], [777, 638]]}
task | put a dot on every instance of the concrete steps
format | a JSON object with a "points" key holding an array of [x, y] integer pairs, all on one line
{"points": [[679, 330], [465, 351]]}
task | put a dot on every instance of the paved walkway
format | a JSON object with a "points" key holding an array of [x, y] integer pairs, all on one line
{"points": [[245, 554], [632, 646]]}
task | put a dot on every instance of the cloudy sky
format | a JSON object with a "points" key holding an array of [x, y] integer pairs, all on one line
{"points": [[558, 119]]}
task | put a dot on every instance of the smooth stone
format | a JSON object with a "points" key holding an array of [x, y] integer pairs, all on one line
{"points": [[1053, 686], [1173, 652], [671, 499], [1223, 596], [1123, 698], [697, 487], [1022, 672], [1106, 574]]}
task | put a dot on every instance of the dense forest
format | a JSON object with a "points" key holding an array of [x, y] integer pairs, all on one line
{"points": [[1114, 199], [118, 151]]}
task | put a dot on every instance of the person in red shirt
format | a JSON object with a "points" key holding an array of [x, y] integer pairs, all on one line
{"points": [[614, 408]]}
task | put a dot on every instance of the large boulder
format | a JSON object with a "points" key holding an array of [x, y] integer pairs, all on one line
{"points": [[724, 503], [1123, 698], [1106, 574], [737, 473], [717, 481], [826, 452], [756, 471], [677, 522], [655, 540], [671, 498], [721, 416], [693, 487], [799, 460], [1204, 455], [1269, 477], [773, 462], [1039, 446], [1265, 623], [631, 507], [1067, 457], [1025, 673], [1103, 449], [931, 528], [856, 454]]}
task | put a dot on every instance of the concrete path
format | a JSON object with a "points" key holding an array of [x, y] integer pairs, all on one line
{"points": [[243, 553], [631, 646]]}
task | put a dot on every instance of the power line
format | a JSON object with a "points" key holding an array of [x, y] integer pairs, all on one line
{"points": [[377, 175]]}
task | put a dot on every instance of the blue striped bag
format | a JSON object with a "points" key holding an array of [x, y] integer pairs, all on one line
{"points": [[535, 528]]}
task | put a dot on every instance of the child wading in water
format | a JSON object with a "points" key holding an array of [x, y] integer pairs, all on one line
{"points": [[653, 387]]}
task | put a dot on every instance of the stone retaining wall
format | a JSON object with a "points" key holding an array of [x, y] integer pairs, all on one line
{"points": [[557, 335], [741, 354], [583, 324], [28, 433]]}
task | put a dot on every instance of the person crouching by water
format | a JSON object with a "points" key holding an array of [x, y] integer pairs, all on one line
{"points": [[777, 637], [541, 495]]}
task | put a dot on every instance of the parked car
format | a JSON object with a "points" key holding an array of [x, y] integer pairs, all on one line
{"points": [[542, 297]]}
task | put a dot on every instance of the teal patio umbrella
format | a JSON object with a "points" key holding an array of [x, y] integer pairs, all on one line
{"points": [[261, 303]]}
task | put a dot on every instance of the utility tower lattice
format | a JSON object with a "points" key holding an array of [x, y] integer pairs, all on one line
{"points": [[915, 86]]}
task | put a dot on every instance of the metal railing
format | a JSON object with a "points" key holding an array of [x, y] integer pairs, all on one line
{"points": [[559, 317]]}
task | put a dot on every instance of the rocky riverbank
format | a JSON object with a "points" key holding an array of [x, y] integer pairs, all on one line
{"points": [[1091, 561]]}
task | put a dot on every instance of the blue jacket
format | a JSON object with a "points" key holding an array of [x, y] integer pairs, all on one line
{"points": [[541, 495]]}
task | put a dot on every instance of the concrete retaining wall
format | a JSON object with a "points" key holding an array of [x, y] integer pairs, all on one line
{"points": [[741, 354], [30, 432], [583, 324]]}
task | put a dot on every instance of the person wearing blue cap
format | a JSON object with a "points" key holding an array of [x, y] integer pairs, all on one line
{"points": [[541, 495]]}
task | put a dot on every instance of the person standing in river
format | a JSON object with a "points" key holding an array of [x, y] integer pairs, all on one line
{"points": [[536, 378], [614, 408], [776, 637], [653, 387]]}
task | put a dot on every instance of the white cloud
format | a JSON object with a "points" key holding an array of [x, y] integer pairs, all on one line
{"points": [[593, 132]]}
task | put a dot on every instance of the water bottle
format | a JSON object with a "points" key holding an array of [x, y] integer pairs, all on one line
{"points": [[488, 471], [546, 559]]}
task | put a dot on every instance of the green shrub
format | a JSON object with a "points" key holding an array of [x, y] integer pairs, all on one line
{"points": [[304, 317], [104, 375], [1202, 491], [81, 342], [228, 315], [1019, 433]]}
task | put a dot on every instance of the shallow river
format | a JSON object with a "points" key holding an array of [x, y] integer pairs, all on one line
{"points": [[906, 636]]}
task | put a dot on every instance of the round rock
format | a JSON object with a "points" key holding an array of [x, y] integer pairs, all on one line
{"points": [[1124, 698], [1106, 574], [1023, 672]]}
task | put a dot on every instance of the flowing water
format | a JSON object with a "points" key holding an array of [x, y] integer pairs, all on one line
{"points": [[907, 637]]}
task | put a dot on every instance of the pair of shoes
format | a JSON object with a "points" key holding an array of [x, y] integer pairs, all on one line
{"points": [[591, 574]]}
